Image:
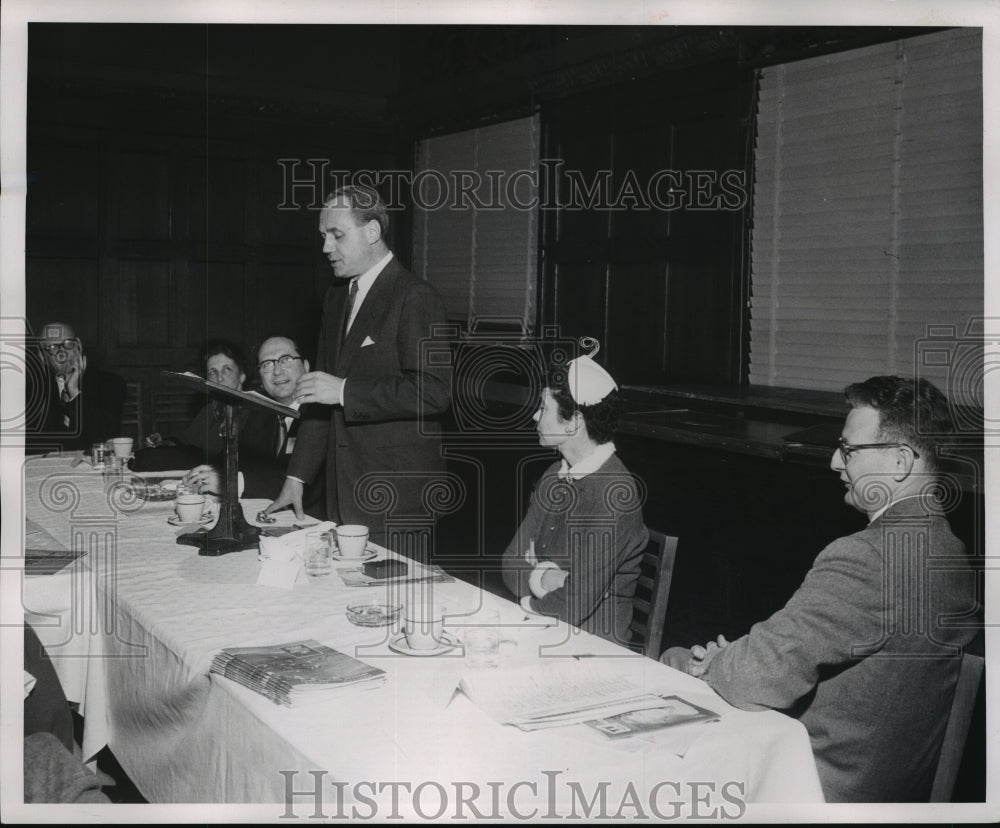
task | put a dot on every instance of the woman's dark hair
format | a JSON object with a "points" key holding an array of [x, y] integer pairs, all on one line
{"points": [[601, 418], [228, 349]]}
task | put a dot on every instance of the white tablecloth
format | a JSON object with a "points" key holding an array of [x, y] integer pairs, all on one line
{"points": [[133, 626]]}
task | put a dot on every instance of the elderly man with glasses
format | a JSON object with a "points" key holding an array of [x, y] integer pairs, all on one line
{"points": [[263, 465], [863, 653], [68, 407]]}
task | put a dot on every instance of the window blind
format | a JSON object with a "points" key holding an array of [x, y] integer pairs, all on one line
{"points": [[868, 211], [476, 221]]}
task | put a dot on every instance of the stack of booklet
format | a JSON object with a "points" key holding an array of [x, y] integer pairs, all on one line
{"points": [[300, 672]]}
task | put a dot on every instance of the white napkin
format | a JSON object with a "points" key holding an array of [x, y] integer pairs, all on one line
{"points": [[281, 558]]}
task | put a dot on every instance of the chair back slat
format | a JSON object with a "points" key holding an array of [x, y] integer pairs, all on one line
{"points": [[963, 706], [652, 593]]}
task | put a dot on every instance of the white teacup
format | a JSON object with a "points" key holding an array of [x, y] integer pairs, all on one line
{"points": [[352, 538], [122, 446], [423, 627], [190, 507]]}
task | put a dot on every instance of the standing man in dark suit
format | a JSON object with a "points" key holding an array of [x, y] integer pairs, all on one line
{"points": [[371, 403], [68, 406]]}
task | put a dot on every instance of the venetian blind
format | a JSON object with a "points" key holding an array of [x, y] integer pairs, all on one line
{"points": [[868, 211], [476, 221]]}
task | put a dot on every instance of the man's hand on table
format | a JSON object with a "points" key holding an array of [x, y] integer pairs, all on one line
{"points": [[290, 495], [695, 661]]}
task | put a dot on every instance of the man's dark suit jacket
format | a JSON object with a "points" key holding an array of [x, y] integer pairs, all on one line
{"points": [[264, 472], [384, 445], [94, 415]]}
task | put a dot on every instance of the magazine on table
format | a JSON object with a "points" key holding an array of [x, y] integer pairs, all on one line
{"points": [[297, 672], [560, 692], [662, 712]]}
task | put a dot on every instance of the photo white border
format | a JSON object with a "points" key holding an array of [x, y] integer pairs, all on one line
{"points": [[14, 18]]}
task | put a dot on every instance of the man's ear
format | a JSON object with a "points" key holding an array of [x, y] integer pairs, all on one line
{"points": [[904, 463], [373, 232], [83, 363], [305, 364], [243, 379]]}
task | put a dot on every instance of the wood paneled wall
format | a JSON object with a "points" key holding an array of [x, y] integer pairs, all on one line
{"points": [[157, 212], [661, 287]]}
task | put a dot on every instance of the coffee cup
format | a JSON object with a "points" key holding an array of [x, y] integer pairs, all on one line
{"points": [[352, 539], [423, 627], [122, 446], [190, 507]]}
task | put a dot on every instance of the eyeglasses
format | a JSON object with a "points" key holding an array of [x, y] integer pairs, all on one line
{"points": [[267, 366], [847, 449], [65, 345]]}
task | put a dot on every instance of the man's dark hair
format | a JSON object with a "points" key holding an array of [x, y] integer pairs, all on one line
{"points": [[601, 418], [227, 348], [366, 205], [263, 339], [902, 404]]}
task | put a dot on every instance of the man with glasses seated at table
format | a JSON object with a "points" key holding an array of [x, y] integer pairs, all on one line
{"points": [[201, 441], [67, 406], [862, 653], [280, 364]]}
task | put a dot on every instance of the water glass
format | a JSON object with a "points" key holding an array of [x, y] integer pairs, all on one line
{"points": [[317, 555], [482, 641]]}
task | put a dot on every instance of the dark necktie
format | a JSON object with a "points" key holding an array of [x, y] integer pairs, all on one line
{"points": [[282, 435], [351, 296]]}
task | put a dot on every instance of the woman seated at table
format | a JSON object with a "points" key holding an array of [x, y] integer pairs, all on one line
{"points": [[576, 554]]}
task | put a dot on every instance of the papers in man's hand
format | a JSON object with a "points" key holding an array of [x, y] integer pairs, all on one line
{"points": [[296, 673], [232, 394], [559, 691]]}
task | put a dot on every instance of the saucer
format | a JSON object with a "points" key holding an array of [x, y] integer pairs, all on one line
{"points": [[369, 554], [206, 519], [398, 645]]}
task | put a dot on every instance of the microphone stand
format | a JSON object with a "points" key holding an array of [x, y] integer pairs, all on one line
{"points": [[231, 532]]}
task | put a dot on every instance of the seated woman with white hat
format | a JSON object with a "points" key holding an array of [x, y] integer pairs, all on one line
{"points": [[576, 554]]}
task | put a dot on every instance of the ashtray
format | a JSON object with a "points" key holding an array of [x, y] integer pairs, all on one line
{"points": [[156, 492], [373, 614]]}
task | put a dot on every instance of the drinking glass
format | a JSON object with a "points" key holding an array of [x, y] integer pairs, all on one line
{"points": [[317, 555], [482, 640]]}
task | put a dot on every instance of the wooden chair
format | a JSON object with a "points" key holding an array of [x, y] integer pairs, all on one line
{"points": [[963, 705], [132, 413], [173, 409], [652, 592]]}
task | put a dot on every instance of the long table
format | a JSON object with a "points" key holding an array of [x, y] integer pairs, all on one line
{"points": [[132, 627]]}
